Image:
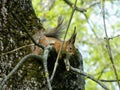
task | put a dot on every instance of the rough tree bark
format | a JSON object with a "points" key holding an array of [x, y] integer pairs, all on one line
{"points": [[31, 74]]}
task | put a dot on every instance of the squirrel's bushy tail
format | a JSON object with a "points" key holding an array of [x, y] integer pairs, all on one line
{"points": [[57, 31]]}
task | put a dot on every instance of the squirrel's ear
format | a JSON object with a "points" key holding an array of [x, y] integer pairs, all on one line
{"points": [[73, 37]]}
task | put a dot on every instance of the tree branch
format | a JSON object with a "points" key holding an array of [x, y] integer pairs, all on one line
{"points": [[77, 8], [113, 37], [109, 47], [93, 4], [56, 63], [45, 58], [21, 62], [91, 27], [88, 76], [108, 80], [101, 72], [82, 9], [18, 66], [16, 49]]}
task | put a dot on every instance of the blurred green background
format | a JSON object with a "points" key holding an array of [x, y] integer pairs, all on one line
{"points": [[90, 34]]}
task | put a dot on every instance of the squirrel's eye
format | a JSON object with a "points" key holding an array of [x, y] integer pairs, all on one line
{"points": [[70, 48]]}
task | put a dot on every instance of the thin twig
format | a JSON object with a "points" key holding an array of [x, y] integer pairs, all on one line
{"points": [[26, 30], [91, 27], [109, 47], [108, 80], [82, 9], [16, 49], [114, 37], [56, 63], [101, 72], [88, 76], [18, 66], [77, 8], [93, 4]]}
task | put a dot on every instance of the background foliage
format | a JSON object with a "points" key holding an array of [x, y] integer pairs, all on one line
{"points": [[90, 35]]}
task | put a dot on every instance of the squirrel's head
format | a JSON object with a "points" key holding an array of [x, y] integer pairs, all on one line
{"points": [[70, 47]]}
